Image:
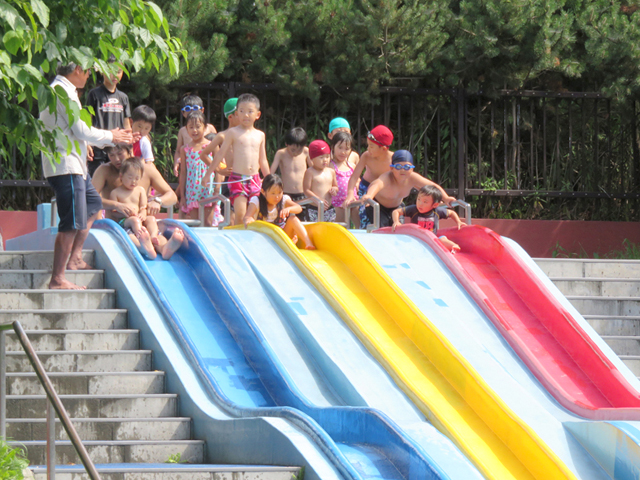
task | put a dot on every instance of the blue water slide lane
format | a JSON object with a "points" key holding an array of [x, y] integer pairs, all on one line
{"points": [[318, 352], [427, 282], [246, 377]]}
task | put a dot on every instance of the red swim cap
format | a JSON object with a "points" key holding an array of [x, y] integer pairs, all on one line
{"points": [[381, 135], [317, 148]]}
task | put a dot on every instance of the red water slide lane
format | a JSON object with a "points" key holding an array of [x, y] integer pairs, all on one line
{"points": [[545, 336]]}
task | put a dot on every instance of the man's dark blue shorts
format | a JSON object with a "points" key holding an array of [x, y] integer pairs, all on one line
{"points": [[77, 201]]}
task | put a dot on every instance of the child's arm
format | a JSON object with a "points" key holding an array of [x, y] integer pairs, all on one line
{"points": [[176, 156], [355, 176], [290, 207], [182, 179], [306, 152], [250, 215], [219, 156], [420, 181], [456, 218], [375, 187], [205, 156], [334, 183], [262, 159], [276, 161], [395, 216], [142, 204]]}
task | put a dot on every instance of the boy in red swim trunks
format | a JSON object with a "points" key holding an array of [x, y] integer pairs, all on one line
{"points": [[249, 155]]}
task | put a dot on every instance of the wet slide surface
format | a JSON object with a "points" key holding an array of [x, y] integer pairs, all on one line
{"points": [[546, 337], [426, 366], [423, 277]]}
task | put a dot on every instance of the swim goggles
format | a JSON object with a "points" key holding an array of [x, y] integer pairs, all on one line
{"points": [[188, 108], [372, 137], [397, 166]]}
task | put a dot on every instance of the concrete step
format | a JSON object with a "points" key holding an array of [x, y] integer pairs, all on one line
{"points": [[38, 279], [604, 287], [97, 406], [172, 472], [12, 299], [69, 319], [58, 340], [165, 428], [35, 260], [88, 383], [84, 361], [614, 325], [609, 306], [623, 345], [129, 451], [578, 267]]}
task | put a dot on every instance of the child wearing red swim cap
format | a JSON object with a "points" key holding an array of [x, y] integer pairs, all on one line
{"points": [[376, 160], [320, 182]]}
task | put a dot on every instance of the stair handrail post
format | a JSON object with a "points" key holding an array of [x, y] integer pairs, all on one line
{"points": [[376, 211], [3, 383], [51, 441], [466, 207], [54, 400]]}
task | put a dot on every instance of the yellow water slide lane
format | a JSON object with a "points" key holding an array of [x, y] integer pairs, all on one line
{"points": [[420, 359]]}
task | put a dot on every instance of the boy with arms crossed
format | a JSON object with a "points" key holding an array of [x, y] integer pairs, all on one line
{"points": [[293, 161], [249, 155], [320, 182], [391, 188]]}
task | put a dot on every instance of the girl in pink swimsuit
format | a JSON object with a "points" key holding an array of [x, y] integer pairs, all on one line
{"points": [[341, 149]]}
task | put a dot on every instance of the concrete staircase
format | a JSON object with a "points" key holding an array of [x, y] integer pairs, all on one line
{"points": [[607, 294], [116, 400]]}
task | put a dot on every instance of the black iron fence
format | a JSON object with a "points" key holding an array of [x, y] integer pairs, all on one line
{"points": [[568, 145]]}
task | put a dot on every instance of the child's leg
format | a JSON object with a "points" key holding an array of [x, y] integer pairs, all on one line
{"points": [[134, 224], [143, 243], [208, 216], [340, 214], [240, 208], [294, 227], [151, 225], [355, 217]]}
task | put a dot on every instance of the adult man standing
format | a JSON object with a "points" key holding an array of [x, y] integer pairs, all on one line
{"points": [[78, 202]]}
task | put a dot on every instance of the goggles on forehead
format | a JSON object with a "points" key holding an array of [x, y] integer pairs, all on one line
{"points": [[188, 108], [397, 166]]}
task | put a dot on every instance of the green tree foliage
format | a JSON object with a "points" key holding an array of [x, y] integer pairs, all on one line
{"points": [[356, 46], [39, 35]]}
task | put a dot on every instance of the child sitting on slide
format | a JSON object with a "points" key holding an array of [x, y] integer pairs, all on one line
{"points": [[272, 206], [424, 212]]}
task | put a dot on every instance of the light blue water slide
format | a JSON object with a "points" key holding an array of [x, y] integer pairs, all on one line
{"points": [[299, 385], [317, 351], [434, 290]]}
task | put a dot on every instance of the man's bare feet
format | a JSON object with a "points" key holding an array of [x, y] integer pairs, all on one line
{"points": [[75, 264], [146, 247], [64, 284], [173, 244]]}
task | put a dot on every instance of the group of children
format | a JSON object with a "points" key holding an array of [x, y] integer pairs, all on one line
{"points": [[233, 160]]}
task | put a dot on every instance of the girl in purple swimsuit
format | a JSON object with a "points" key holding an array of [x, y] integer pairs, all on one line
{"points": [[341, 149]]}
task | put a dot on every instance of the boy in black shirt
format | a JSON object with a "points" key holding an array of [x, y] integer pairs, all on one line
{"points": [[111, 110], [424, 214]]}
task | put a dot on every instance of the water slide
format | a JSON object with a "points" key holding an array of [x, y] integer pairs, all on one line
{"points": [[214, 295], [440, 381], [548, 339]]}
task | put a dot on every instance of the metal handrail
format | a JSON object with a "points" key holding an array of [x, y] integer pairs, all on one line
{"points": [[227, 209], [467, 209], [53, 404], [314, 201], [368, 201], [187, 221]]}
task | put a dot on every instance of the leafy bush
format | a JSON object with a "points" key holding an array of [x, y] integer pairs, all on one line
{"points": [[13, 461]]}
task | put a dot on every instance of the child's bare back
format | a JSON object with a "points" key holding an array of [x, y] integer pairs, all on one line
{"points": [[292, 168]]}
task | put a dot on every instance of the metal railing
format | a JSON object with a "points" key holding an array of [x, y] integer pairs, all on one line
{"points": [[227, 209], [376, 212], [319, 204], [187, 221], [54, 405], [54, 212], [467, 210]]}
